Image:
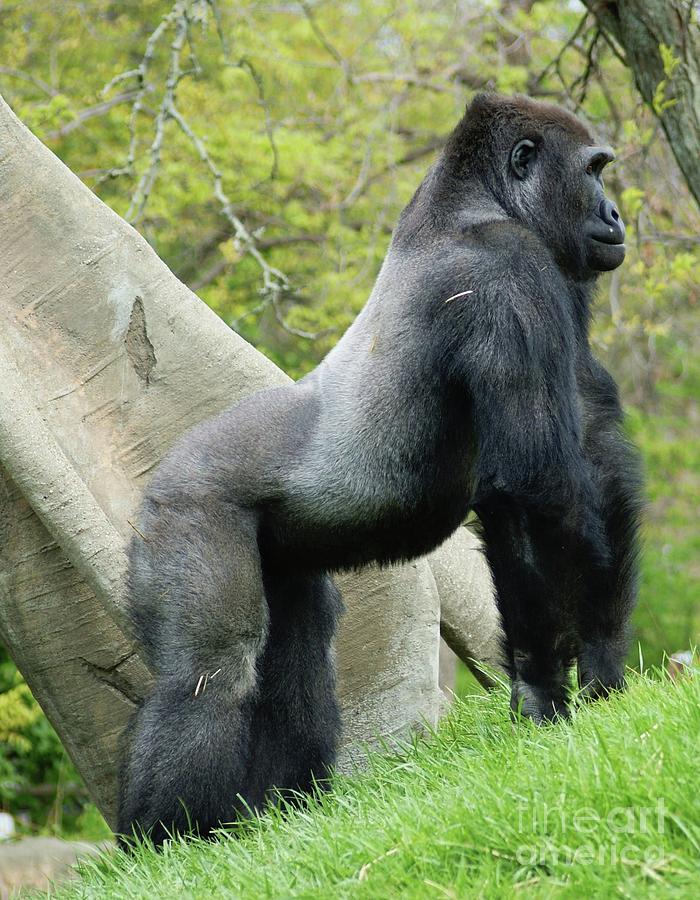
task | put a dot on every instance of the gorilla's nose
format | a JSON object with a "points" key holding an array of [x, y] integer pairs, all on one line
{"points": [[610, 214]]}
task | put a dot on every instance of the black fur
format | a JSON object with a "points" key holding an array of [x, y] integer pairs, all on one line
{"points": [[467, 382]]}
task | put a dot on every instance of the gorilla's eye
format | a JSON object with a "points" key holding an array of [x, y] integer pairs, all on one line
{"points": [[598, 161], [522, 156]]}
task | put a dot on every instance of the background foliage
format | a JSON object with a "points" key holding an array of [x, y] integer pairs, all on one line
{"points": [[265, 150]]}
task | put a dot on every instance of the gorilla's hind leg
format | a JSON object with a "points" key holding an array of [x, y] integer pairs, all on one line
{"points": [[189, 744], [296, 722], [611, 595]]}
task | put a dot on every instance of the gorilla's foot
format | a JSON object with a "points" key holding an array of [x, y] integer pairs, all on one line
{"points": [[594, 686], [541, 704], [601, 669]]}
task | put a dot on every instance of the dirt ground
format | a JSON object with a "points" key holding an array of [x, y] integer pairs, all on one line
{"points": [[35, 862]]}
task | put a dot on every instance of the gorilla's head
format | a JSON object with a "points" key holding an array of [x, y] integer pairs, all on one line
{"points": [[545, 170]]}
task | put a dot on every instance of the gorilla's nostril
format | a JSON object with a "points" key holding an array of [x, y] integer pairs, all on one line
{"points": [[608, 213]]}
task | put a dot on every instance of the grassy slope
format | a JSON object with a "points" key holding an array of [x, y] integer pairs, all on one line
{"points": [[484, 808], [668, 615], [464, 814]]}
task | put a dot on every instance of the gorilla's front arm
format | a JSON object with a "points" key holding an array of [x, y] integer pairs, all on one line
{"points": [[466, 382], [533, 485]]}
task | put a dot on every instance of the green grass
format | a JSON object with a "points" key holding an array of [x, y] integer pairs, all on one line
{"points": [[603, 806]]}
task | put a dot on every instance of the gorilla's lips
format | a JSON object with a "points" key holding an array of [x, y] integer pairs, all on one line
{"points": [[605, 231]]}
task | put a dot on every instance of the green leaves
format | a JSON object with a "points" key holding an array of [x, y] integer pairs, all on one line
{"points": [[670, 62]]}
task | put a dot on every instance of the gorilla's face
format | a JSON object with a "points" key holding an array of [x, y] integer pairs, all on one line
{"points": [[557, 183], [603, 231]]}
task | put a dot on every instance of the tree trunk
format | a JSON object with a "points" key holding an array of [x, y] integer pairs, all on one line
{"points": [[105, 359], [640, 27]]}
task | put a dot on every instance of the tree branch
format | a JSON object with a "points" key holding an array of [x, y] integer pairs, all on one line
{"points": [[179, 19], [91, 112], [661, 42]]}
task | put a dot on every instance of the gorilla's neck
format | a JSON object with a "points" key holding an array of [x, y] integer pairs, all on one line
{"points": [[582, 292]]}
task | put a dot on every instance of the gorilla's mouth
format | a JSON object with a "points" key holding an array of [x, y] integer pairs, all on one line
{"points": [[610, 240]]}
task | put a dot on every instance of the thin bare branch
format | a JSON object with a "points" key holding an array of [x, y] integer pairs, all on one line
{"points": [[583, 79], [91, 112], [140, 73], [323, 40], [297, 332], [413, 79], [274, 281], [557, 61], [180, 18], [30, 79], [245, 64]]}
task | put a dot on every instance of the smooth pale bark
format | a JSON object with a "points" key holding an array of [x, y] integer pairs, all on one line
{"points": [[469, 623], [105, 359], [640, 27]]}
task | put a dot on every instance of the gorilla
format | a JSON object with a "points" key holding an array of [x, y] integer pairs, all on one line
{"points": [[466, 383]]}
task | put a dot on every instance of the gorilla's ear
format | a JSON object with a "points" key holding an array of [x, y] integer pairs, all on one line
{"points": [[522, 156]]}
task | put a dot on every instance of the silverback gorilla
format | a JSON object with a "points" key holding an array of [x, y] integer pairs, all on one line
{"points": [[466, 383]]}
